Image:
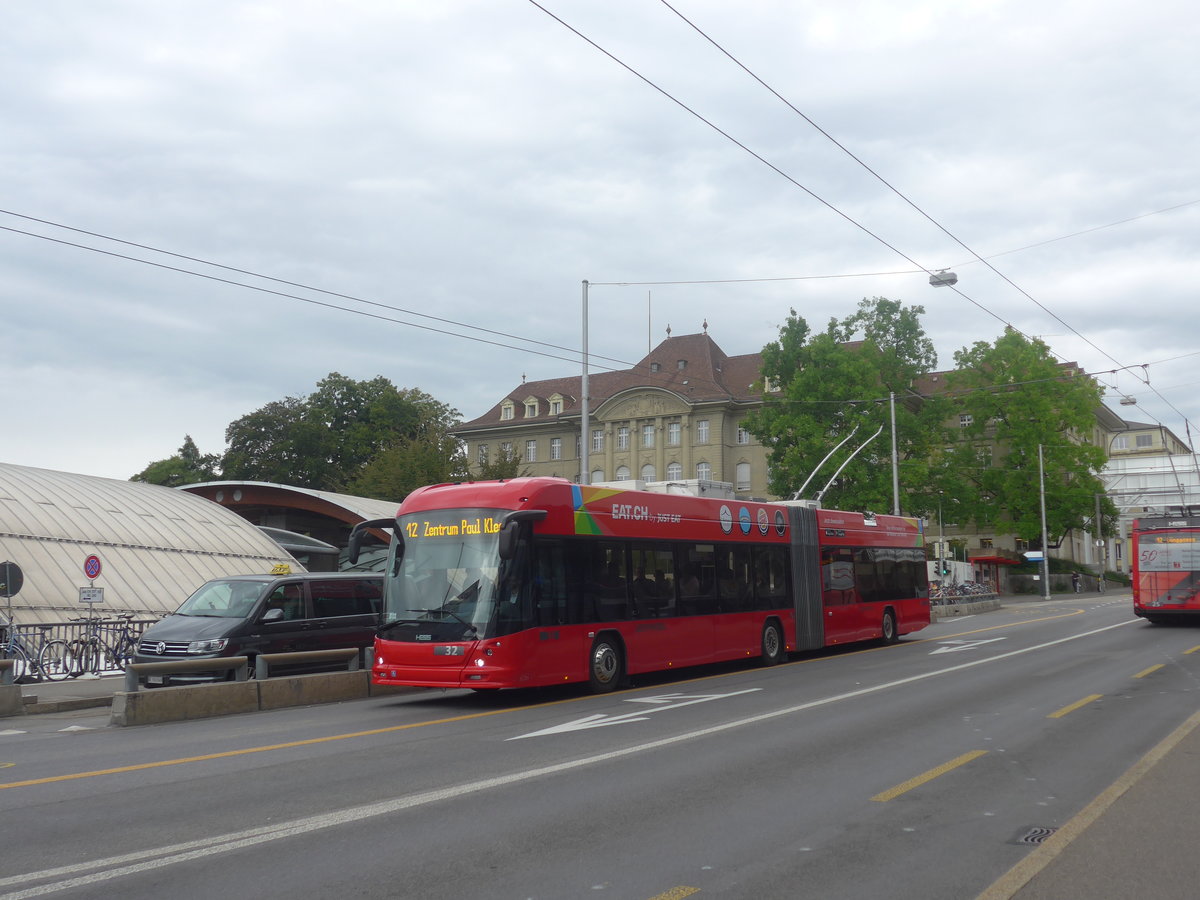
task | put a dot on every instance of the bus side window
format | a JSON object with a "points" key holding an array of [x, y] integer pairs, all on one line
{"points": [[549, 589]]}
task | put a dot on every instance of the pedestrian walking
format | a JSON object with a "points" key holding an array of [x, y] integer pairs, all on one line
{"points": [[1075, 582]]}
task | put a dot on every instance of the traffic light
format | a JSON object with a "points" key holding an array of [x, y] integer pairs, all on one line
{"points": [[945, 569]]}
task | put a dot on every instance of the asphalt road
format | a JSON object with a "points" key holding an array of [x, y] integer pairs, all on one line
{"points": [[927, 769]]}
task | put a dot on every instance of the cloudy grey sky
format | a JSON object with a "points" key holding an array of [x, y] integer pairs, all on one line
{"points": [[476, 160]]}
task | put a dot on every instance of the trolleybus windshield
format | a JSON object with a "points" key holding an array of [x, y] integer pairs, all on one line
{"points": [[445, 576]]}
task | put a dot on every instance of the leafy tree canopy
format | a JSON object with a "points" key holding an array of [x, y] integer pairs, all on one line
{"points": [[1011, 397], [188, 466], [328, 440], [835, 386]]}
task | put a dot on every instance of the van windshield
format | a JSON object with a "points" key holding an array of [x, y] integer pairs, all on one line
{"points": [[222, 599]]}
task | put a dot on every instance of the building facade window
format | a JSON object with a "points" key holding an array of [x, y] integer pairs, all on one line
{"points": [[622, 473], [704, 471], [481, 455], [531, 409], [648, 435], [743, 436], [674, 471], [555, 406], [531, 451], [1121, 442], [597, 440], [556, 448], [648, 472], [1144, 440], [506, 411], [702, 431], [597, 476], [506, 449], [623, 437], [965, 420], [742, 477], [674, 429]]}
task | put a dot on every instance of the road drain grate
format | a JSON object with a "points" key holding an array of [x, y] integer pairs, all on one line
{"points": [[1036, 835]]}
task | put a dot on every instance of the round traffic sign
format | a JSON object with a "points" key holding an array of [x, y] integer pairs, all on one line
{"points": [[91, 566], [11, 579]]}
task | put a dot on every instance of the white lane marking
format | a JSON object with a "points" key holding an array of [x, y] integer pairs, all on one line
{"points": [[663, 703], [102, 870], [955, 646]]}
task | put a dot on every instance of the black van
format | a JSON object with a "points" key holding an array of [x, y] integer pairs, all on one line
{"points": [[245, 615]]}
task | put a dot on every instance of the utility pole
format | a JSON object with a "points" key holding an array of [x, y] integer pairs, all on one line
{"points": [[1045, 543]]}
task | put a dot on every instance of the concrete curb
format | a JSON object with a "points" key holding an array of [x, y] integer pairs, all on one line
{"points": [[970, 608], [202, 701]]}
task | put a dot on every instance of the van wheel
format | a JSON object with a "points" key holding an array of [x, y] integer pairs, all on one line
{"points": [[606, 665]]}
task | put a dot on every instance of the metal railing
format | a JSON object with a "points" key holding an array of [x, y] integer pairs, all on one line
{"points": [[30, 637]]}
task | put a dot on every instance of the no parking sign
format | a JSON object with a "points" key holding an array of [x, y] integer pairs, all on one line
{"points": [[91, 566]]}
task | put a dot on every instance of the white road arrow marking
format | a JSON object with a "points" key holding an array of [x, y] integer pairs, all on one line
{"points": [[660, 704], [955, 646]]}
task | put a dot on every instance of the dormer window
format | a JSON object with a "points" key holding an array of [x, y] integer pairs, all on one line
{"points": [[654, 367], [681, 365], [556, 405], [531, 408], [506, 410]]}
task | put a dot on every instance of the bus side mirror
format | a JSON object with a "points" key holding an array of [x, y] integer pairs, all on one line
{"points": [[510, 531], [358, 532]]}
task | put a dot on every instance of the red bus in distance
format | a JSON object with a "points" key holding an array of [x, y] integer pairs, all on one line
{"points": [[539, 581], [1166, 568]]}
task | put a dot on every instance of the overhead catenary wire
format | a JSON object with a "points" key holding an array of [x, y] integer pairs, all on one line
{"points": [[829, 205]]}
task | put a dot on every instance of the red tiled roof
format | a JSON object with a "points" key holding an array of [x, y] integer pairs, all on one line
{"points": [[708, 375]]}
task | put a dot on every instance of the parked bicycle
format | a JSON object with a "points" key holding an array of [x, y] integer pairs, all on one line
{"points": [[34, 655], [106, 646]]}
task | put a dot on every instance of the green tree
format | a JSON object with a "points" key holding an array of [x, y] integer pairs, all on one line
{"points": [[188, 466], [328, 440], [1011, 397], [835, 384]]}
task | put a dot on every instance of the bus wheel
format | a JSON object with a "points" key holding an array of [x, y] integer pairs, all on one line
{"points": [[890, 634], [773, 649], [605, 665]]}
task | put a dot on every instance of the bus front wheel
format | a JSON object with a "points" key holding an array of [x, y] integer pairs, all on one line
{"points": [[889, 632], [605, 665], [773, 647]]}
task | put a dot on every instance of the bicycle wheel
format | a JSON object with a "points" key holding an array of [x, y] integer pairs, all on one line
{"points": [[87, 657], [21, 668], [54, 660], [121, 653]]}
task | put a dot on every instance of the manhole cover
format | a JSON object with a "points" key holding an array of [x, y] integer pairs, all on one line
{"points": [[1035, 835]]}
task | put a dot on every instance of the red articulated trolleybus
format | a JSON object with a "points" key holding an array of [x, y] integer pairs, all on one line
{"points": [[538, 581], [1166, 568]]}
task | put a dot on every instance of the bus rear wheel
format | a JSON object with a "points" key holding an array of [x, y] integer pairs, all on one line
{"points": [[773, 647], [605, 665], [889, 632]]}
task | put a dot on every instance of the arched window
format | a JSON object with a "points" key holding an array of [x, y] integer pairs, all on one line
{"points": [[622, 473], [597, 475], [704, 471], [648, 472], [674, 471]]}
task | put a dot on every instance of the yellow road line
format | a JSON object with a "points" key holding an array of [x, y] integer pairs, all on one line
{"points": [[1193, 650], [676, 893], [928, 776], [117, 770], [1074, 706], [1145, 672]]}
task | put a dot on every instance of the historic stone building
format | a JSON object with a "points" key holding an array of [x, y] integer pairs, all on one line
{"points": [[677, 415]]}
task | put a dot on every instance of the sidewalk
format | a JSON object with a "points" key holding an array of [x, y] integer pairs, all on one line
{"points": [[1137, 839], [73, 693]]}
